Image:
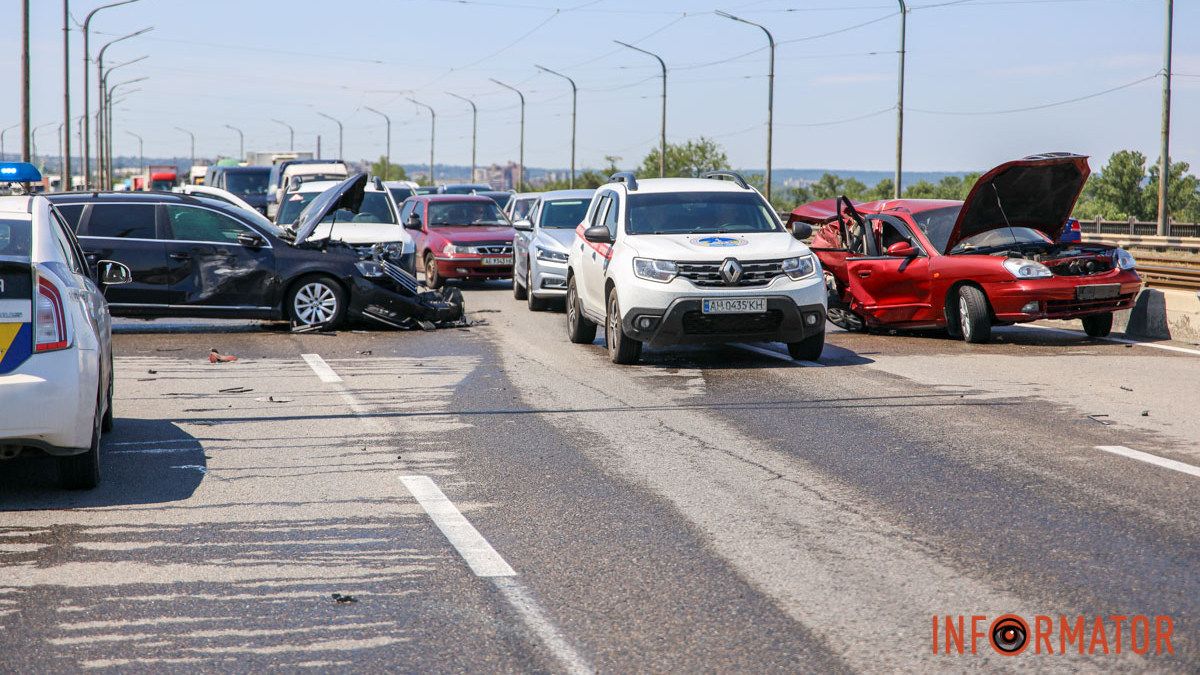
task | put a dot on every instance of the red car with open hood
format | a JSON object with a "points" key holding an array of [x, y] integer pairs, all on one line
{"points": [[993, 259]]}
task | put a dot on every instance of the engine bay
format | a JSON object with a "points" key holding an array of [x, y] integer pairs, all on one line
{"points": [[1068, 260]]}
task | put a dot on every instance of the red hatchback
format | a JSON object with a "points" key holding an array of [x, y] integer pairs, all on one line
{"points": [[993, 259], [459, 237]]}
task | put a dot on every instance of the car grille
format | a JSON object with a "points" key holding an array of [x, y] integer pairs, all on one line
{"points": [[754, 273], [1064, 306], [493, 248], [699, 323]]}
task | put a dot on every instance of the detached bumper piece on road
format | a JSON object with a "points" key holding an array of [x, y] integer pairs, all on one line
{"points": [[394, 299], [684, 322]]}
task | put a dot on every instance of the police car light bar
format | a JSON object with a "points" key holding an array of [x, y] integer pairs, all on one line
{"points": [[19, 172]]}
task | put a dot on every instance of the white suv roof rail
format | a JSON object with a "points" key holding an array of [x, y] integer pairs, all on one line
{"points": [[737, 177], [625, 177]]}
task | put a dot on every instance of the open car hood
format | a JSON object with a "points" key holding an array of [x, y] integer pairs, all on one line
{"points": [[347, 194], [1038, 192]]}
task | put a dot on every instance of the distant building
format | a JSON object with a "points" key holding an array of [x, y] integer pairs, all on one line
{"points": [[506, 177]]}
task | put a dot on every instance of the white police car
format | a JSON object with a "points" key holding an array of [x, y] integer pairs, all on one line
{"points": [[56, 375]]}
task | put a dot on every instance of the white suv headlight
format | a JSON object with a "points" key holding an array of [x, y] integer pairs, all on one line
{"points": [[1124, 259], [549, 255], [798, 268], [654, 270], [1027, 269]]}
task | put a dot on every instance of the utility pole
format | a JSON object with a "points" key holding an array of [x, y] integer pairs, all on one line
{"points": [[26, 150], [662, 151], [574, 110], [193, 137], [432, 135], [900, 103], [387, 157], [66, 135], [474, 129], [770, 92], [521, 152], [141, 152], [341, 151], [241, 142], [87, 119], [1164, 160], [291, 135]]}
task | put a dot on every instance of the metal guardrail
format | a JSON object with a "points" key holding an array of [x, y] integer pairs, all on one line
{"points": [[1137, 228]]}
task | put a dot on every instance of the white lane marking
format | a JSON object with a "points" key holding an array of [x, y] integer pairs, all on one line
{"points": [[154, 451], [524, 604], [321, 368], [1124, 341], [776, 355], [1151, 459], [180, 440], [483, 560]]}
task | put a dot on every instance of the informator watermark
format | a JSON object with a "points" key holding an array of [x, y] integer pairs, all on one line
{"points": [[1012, 635]]}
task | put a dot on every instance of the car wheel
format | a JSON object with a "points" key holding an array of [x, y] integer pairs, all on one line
{"points": [[580, 329], [622, 349], [317, 300], [1098, 325], [974, 321], [106, 424], [82, 471], [520, 292], [846, 319], [808, 349], [432, 278], [535, 303]]}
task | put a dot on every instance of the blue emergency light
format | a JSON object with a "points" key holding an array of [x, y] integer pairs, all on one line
{"points": [[19, 172]]}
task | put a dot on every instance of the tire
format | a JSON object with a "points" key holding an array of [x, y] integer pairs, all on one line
{"points": [[808, 349], [846, 319], [82, 472], [622, 349], [535, 303], [950, 311], [1098, 325], [317, 300], [974, 320], [106, 424], [519, 292], [433, 280], [580, 329]]}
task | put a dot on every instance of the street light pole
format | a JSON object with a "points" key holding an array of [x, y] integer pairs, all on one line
{"points": [[432, 136], [1164, 159], [33, 141], [341, 153], [291, 135], [66, 135], [107, 107], [87, 119], [3, 133], [241, 142], [100, 130], [574, 111], [141, 152], [770, 92], [662, 152], [900, 103], [193, 137], [387, 157], [521, 151], [474, 129]]}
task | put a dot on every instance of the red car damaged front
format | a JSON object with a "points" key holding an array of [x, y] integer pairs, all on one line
{"points": [[992, 259]]}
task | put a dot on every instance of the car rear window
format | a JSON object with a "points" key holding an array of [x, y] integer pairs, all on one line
{"points": [[122, 221], [564, 214], [15, 237]]}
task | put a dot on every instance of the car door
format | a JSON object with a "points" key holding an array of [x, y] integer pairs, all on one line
{"points": [[84, 288], [419, 234], [521, 239], [217, 262], [128, 233], [890, 289], [596, 256]]}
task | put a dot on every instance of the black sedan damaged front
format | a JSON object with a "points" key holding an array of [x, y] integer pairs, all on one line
{"points": [[383, 289]]}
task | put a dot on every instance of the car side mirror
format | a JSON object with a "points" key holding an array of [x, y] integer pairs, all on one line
{"points": [[251, 240], [598, 234], [413, 222], [901, 249], [523, 224], [801, 231], [113, 273]]}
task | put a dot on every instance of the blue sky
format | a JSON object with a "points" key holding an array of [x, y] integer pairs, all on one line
{"points": [[244, 62]]}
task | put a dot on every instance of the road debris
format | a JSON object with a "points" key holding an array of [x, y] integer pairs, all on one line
{"points": [[342, 599], [152, 371], [1105, 422], [215, 356], [1145, 413], [272, 399], [1126, 388], [235, 390]]}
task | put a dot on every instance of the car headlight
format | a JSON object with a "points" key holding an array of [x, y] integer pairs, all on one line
{"points": [[654, 270], [1027, 269], [549, 255], [369, 269], [451, 249], [1124, 259], [798, 268]]}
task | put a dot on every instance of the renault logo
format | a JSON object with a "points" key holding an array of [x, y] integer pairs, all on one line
{"points": [[731, 271]]}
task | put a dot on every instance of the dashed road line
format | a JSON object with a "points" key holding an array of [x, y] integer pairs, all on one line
{"points": [[1151, 459], [321, 368], [1124, 341], [776, 355], [474, 549]]}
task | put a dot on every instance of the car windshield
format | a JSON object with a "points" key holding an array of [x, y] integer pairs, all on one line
{"points": [[400, 193], [937, 223], [474, 212], [15, 237], [564, 214], [1001, 237], [374, 209], [522, 207], [247, 182], [465, 189], [293, 204], [258, 219], [699, 212]]}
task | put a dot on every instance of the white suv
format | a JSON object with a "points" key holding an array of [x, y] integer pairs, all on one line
{"points": [[666, 261]]}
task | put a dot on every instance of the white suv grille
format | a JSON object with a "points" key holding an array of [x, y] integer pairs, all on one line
{"points": [[708, 274]]}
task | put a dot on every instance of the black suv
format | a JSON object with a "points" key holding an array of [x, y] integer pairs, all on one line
{"points": [[192, 256]]}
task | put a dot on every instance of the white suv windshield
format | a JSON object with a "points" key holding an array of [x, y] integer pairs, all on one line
{"points": [[699, 213]]}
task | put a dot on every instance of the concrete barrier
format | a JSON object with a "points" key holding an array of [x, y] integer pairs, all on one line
{"points": [[1162, 314]]}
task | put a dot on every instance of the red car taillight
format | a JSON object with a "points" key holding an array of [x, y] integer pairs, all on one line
{"points": [[49, 321]]}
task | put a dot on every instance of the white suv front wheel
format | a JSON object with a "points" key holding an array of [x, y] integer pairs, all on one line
{"points": [[622, 349], [580, 329]]}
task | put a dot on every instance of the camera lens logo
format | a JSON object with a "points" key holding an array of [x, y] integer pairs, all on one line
{"points": [[1009, 635]]}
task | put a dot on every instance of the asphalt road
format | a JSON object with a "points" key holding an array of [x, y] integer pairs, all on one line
{"points": [[498, 499]]}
